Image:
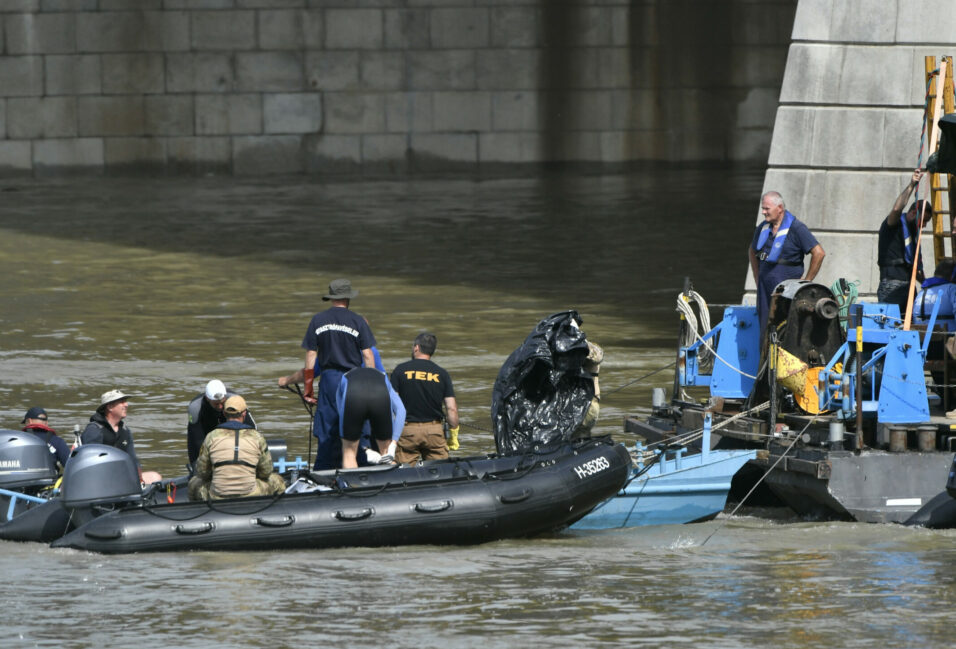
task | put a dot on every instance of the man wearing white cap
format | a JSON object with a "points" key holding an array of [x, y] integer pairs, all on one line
{"points": [[108, 426], [205, 415], [234, 460]]}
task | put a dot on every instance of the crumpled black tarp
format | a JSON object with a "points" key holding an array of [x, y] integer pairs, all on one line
{"points": [[541, 394]]}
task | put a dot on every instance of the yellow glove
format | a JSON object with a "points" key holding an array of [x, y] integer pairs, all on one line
{"points": [[453, 438]]}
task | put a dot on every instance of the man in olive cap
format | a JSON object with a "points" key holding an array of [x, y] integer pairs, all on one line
{"points": [[205, 415], [234, 460], [336, 341]]}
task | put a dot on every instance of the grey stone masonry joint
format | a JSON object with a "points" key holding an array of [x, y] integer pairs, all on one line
{"points": [[319, 86]]}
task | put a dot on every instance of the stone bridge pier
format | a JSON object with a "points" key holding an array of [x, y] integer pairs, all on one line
{"points": [[349, 86]]}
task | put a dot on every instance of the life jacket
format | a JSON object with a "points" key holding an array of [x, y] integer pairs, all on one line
{"points": [[234, 459], [119, 438], [44, 432], [909, 241], [778, 240]]}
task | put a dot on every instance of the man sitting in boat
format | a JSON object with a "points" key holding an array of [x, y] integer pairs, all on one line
{"points": [[36, 423], [234, 460], [205, 416], [108, 426]]}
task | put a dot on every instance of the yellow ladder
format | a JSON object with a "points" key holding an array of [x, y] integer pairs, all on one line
{"points": [[940, 184]]}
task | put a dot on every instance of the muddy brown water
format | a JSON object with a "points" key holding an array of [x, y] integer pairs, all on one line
{"points": [[156, 286]]}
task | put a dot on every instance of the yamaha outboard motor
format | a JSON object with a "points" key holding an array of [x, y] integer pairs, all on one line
{"points": [[25, 461], [97, 478], [26, 466]]}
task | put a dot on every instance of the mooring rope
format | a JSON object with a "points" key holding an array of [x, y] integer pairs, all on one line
{"points": [[691, 436], [756, 484]]}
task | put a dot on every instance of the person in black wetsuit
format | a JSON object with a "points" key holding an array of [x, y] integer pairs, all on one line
{"points": [[365, 394], [205, 415]]}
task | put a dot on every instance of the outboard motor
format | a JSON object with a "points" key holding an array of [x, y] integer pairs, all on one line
{"points": [[26, 467], [25, 461], [99, 477]]}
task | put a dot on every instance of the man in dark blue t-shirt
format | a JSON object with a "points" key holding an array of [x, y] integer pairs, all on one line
{"points": [[777, 249], [338, 340]]}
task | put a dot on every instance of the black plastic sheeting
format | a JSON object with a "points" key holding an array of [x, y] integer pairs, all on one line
{"points": [[542, 393]]}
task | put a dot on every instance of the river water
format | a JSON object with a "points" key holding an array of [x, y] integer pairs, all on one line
{"points": [[155, 286]]}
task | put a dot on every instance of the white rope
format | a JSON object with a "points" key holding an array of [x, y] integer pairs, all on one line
{"points": [[691, 335], [693, 327]]}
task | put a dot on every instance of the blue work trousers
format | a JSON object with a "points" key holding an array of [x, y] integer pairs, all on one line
{"points": [[328, 455], [770, 276]]}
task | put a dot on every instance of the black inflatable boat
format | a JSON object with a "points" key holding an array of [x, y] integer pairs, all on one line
{"points": [[456, 501]]}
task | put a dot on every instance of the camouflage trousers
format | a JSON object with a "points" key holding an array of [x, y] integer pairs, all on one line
{"points": [[200, 490]]}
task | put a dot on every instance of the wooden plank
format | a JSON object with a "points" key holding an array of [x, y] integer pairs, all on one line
{"points": [[933, 142], [942, 228]]}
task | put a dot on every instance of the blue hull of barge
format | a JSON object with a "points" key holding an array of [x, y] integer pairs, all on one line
{"points": [[677, 490]]}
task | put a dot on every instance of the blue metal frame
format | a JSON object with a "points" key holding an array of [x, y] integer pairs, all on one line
{"points": [[738, 340], [902, 397], [15, 496]]}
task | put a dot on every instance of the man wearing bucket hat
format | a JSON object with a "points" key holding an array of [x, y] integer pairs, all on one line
{"points": [[205, 415], [234, 460], [108, 426], [338, 340]]}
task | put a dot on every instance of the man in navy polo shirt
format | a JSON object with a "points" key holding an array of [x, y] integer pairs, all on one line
{"points": [[338, 340], [777, 250]]}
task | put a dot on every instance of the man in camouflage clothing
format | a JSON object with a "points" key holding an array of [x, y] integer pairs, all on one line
{"points": [[234, 460]]}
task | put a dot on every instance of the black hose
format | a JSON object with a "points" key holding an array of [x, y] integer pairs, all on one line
{"points": [[308, 408]]}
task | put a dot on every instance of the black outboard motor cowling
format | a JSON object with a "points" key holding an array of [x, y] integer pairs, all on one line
{"points": [[25, 461], [97, 474]]}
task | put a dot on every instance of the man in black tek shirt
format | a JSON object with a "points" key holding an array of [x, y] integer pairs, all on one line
{"points": [[424, 388]]}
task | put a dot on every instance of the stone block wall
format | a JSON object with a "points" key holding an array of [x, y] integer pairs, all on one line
{"points": [[286, 86], [848, 129]]}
